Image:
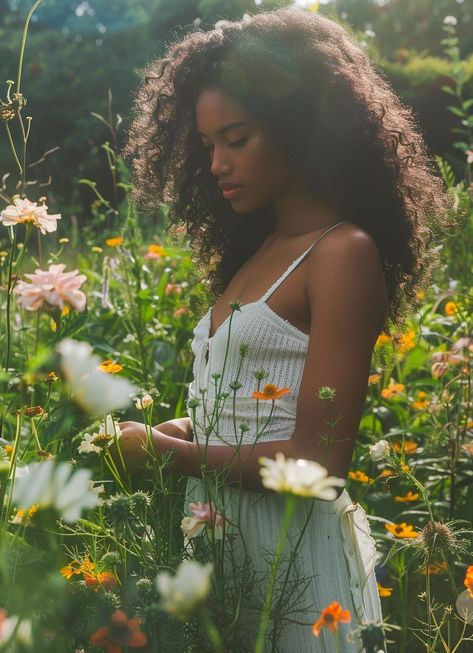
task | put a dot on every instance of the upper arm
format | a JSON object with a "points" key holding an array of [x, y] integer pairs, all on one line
{"points": [[346, 292]]}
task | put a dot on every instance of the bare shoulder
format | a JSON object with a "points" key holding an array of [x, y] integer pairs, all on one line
{"points": [[346, 265]]}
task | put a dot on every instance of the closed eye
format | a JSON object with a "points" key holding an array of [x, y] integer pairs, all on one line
{"points": [[236, 144]]}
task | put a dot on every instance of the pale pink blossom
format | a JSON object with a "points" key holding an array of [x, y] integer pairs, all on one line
{"points": [[203, 514], [53, 287], [23, 211], [469, 156]]}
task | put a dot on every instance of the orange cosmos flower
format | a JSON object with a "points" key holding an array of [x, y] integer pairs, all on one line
{"points": [[382, 339], [450, 308], [110, 367], [374, 378], [114, 242], [421, 403], [469, 580], [404, 341], [270, 392], [331, 616], [105, 579], [392, 390], [401, 530], [410, 496], [408, 446], [386, 473], [360, 476], [70, 570], [120, 632], [384, 591]]}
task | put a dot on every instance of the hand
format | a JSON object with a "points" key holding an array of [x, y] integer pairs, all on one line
{"points": [[134, 447]]}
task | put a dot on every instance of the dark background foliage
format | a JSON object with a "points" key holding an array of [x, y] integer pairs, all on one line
{"points": [[78, 51]]}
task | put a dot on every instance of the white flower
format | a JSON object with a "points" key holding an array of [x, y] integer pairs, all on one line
{"points": [[379, 450], [203, 514], [95, 443], [21, 631], [464, 605], [450, 20], [51, 485], [25, 211], [304, 478], [143, 402], [95, 391], [182, 592]]}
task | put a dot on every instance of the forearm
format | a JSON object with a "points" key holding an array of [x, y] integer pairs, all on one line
{"points": [[242, 464], [176, 428]]}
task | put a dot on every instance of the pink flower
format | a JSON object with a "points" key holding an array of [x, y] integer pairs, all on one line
{"points": [[23, 211], [54, 287], [469, 156], [203, 514]]}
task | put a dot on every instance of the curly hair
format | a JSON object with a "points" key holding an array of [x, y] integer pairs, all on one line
{"points": [[331, 111]]}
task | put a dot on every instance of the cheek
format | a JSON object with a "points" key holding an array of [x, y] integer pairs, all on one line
{"points": [[266, 162]]}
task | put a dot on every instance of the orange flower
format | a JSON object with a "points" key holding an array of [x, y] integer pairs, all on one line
{"points": [[435, 568], [331, 616], [384, 591], [469, 580], [383, 338], [105, 579], [392, 390], [420, 294], [404, 341], [182, 310], [410, 496], [110, 367], [374, 378], [114, 242], [270, 392], [401, 530], [172, 287], [360, 476], [450, 308], [466, 447], [408, 446], [121, 632], [386, 473], [421, 403], [71, 569]]}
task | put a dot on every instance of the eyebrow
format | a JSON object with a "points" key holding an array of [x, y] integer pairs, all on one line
{"points": [[226, 128]]}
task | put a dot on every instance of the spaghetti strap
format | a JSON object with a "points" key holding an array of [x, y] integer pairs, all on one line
{"points": [[295, 263]]}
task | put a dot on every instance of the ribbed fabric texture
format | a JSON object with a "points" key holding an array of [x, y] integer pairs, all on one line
{"points": [[337, 553]]}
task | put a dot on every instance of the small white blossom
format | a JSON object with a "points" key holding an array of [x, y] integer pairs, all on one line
{"points": [[379, 450], [189, 586], [96, 442], [23, 211], [143, 402], [304, 478], [450, 20], [14, 630], [51, 485]]}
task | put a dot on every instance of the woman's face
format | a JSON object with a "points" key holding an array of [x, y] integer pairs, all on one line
{"points": [[241, 152]]}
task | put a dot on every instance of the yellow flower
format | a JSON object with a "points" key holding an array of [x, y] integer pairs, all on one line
{"points": [[114, 242], [392, 390], [383, 339], [402, 530], [410, 496], [450, 308], [110, 367], [374, 378], [270, 392], [360, 476], [63, 241], [384, 591], [23, 515], [408, 446], [386, 473], [405, 468], [156, 249], [405, 341], [420, 294], [97, 249], [70, 570], [421, 402]]}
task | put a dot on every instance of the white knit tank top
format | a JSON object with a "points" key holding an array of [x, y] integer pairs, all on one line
{"points": [[273, 345]]}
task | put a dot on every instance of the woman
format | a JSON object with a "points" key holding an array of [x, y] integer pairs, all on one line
{"points": [[305, 187]]}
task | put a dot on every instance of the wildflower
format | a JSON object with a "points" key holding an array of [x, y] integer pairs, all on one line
{"points": [[182, 310], [434, 568], [374, 378], [34, 411], [402, 530], [24, 516], [15, 630], [114, 242], [57, 486], [144, 402], [468, 448], [304, 478], [203, 514], [155, 252], [420, 295], [70, 570], [183, 592], [172, 287], [464, 606], [105, 579], [382, 339], [53, 286], [331, 617], [360, 476], [469, 156], [270, 392], [379, 450], [384, 591], [63, 241], [387, 473], [393, 390], [450, 20], [421, 402], [24, 211], [326, 392], [96, 249], [404, 341], [96, 443], [410, 496], [120, 632], [51, 377], [96, 392], [450, 308], [408, 447], [110, 367]]}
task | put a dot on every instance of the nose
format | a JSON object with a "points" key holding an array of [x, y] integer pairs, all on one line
{"points": [[220, 165]]}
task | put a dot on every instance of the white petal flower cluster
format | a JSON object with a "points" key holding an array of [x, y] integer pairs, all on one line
{"points": [[379, 450], [14, 630], [183, 592], [304, 478], [96, 442], [203, 515], [23, 211], [53, 287], [97, 392], [58, 486]]}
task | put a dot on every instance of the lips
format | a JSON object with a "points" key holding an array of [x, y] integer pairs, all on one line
{"points": [[230, 193]]}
